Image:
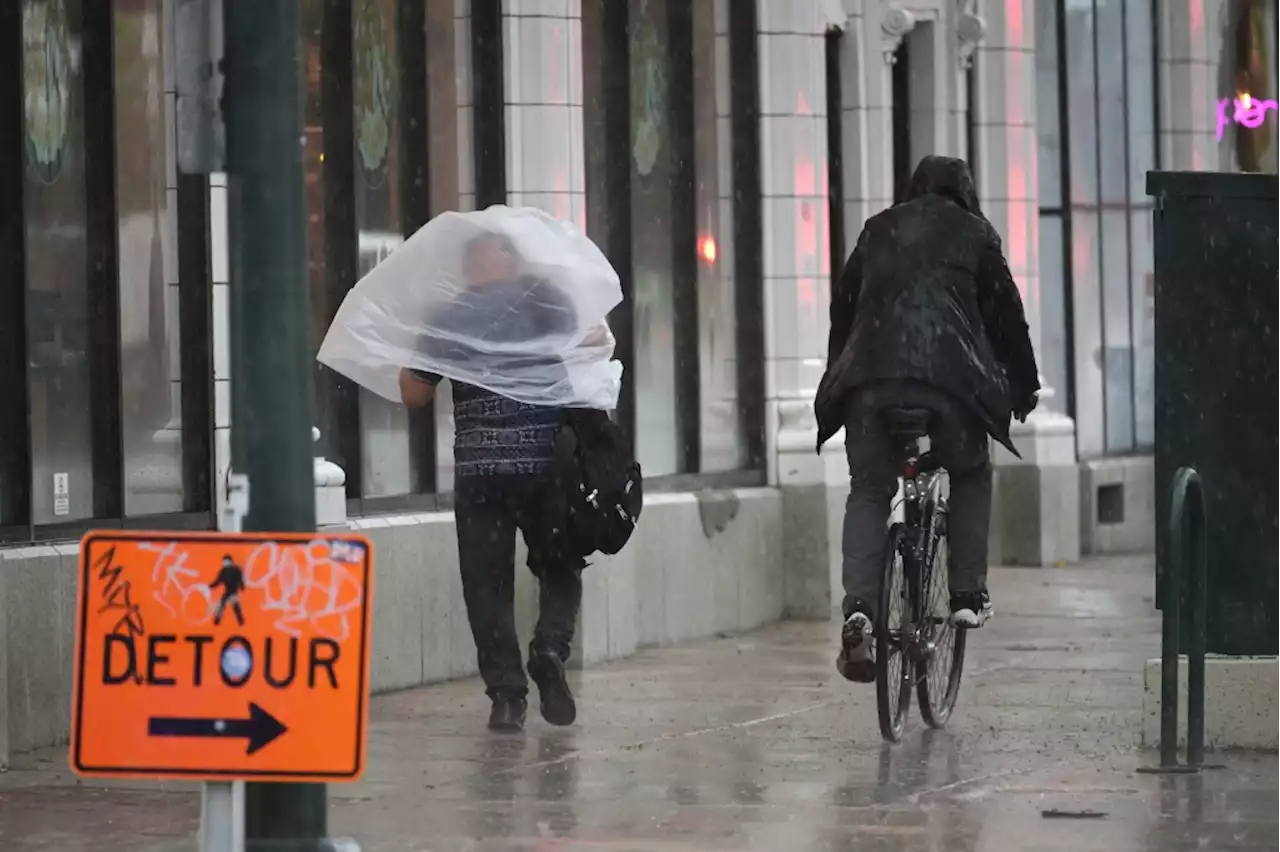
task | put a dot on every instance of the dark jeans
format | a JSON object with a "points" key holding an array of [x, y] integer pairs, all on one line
{"points": [[489, 510], [959, 441]]}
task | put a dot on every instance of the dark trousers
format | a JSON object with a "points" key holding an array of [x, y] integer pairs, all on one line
{"points": [[958, 440], [489, 510]]}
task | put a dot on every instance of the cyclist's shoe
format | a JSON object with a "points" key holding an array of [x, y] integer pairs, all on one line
{"points": [[857, 659], [971, 609]]}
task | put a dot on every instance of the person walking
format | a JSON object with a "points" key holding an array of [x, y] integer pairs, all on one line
{"points": [[231, 580], [503, 455]]}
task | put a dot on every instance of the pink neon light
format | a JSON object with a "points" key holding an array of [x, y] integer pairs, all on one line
{"points": [[1249, 111]]}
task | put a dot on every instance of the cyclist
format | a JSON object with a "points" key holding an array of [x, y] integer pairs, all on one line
{"points": [[926, 315]]}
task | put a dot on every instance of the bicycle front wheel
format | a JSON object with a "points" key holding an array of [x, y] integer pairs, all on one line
{"points": [[893, 672], [938, 674]]}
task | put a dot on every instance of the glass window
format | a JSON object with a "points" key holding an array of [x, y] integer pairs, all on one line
{"points": [[330, 391], [1081, 94], [722, 447], [367, 186], [1253, 48], [653, 175], [1112, 119], [1143, 279], [1113, 192], [1117, 353], [667, 192], [1047, 132], [384, 426], [15, 475], [1087, 333], [56, 251], [1113, 141], [1053, 322], [150, 370], [1140, 98], [1140, 106], [1084, 254]]}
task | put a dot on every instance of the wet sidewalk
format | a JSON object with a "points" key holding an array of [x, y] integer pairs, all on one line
{"points": [[753, 743]]}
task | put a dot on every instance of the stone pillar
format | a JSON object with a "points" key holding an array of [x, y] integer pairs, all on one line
{"points": [[1191, 85], [793, 146], [1035, 517], [870, 38]]}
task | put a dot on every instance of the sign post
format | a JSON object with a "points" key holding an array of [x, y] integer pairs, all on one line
{"points": [[271, 362], [222, 657], [222, 802]]}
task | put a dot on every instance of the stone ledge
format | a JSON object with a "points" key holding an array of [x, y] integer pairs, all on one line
{"points": [[1134, 532], [692, 570], [1240, 703]]}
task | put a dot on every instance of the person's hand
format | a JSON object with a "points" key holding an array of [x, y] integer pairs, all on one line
{"points": [[1028, 405], [599, 336]]}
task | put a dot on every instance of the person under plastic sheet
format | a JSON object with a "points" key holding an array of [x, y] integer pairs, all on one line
{"points": [[503, 457]]}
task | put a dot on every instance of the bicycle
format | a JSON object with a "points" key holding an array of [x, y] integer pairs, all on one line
{"points": [[922, 638]]}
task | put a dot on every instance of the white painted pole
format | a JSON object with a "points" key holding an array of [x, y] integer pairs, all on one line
{"points": [[222, 802]]}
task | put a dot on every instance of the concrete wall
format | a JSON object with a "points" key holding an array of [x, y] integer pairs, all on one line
{"points": [[1118, 506], [701, 564]]}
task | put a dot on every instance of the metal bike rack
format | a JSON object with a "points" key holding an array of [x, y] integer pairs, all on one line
{"points": [[1188, 555]]}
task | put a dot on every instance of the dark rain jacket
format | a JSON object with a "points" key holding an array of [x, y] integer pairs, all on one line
{"points": [[927, 296]]}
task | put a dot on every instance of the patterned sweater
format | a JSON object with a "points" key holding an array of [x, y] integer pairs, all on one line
{"points": [[496, 436]]}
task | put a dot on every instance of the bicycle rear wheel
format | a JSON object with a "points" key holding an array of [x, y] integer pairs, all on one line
{"points": [[938, 676], [893, 672]]}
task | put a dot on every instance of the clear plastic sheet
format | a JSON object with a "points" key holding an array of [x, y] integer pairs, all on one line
{"points": [[507, 299]]}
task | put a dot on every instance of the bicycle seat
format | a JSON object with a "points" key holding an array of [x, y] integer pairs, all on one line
{"points": [[908, 422]]}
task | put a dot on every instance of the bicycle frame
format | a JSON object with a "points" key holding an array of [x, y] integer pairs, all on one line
{"points": [[923, 510]]}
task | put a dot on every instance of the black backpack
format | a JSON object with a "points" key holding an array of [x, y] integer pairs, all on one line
{"points": [[599, 491]]}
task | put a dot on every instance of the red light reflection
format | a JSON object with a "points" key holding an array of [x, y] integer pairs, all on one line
{"points": [[707, 248]]}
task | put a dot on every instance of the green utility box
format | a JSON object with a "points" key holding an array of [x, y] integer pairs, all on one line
{"points": [[1216, 385]]}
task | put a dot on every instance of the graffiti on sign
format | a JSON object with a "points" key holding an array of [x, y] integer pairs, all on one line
{"points": [[222, 656]]}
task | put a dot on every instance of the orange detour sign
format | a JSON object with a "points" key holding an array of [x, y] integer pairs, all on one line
{"points": [[222, 656]]}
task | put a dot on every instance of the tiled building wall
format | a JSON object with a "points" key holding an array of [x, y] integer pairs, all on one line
{"points": [[466, 112], [866, 121], [543, 89], [793, 148], [1006, 134]]}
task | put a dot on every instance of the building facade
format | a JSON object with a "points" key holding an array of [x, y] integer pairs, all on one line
{"points": [[723, 155]]}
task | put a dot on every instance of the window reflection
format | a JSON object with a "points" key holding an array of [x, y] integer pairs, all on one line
{"points": [[1111, 129], [1255, 75], [151, 404], [723, 447], [384, 426], [56, 253], [652, 197]]}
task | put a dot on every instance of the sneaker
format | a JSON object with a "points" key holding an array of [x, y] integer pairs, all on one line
{"points": [[556, 701], [971, 609], [507, 714], [857, 660]]}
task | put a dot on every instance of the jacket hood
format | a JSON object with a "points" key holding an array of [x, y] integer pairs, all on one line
{"points": [[948, 177]]}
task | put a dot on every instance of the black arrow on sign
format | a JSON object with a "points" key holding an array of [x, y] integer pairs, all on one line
{"points": [[259, 729]]}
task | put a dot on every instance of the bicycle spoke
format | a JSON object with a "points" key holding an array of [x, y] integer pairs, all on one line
{"points": [[937, 676]]}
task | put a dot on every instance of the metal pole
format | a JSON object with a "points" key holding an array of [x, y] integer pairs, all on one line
{"points": [[1171, 613], [271, 404], [1195, 540], [222, 816]]}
